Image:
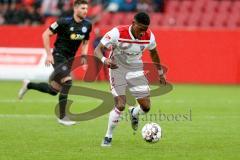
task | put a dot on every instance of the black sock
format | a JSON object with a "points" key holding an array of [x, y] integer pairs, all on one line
{"points": [[42, 87], [63, 98]]}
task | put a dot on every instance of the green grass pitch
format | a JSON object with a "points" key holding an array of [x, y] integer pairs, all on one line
{"points": [[29, 131]]}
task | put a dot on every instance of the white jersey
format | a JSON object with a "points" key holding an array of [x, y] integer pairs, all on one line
{"points": [[126, 50]]}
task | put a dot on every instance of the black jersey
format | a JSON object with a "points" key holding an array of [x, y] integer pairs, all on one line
{"points": [[70, 34]]}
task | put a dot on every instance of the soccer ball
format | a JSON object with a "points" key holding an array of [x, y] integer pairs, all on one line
{"points": [[151, 132]]}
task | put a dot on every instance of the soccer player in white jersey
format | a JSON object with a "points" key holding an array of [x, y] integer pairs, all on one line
{"points": [[127, 44]]}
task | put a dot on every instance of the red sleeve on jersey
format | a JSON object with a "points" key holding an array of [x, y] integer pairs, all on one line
{"points": [[147, 35], [123, 31]]}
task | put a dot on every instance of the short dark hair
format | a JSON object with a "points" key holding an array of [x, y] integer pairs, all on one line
{"points": [[79, 2], [142, 18]]}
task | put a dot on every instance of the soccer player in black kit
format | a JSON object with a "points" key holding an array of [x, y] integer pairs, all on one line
{"points": [[71, 33]]}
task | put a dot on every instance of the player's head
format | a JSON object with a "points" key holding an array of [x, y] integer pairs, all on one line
{"points": [[140, 24], [80, 8]]}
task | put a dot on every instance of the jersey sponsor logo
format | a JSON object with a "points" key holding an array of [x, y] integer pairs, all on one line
{"points": [[54, 25], [64, 68], [107, 37], [115, 121], [84, 29], [75, 36], [71, 29], [129, 53]]}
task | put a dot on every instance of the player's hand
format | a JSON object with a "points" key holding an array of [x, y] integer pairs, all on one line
{"points": [[49, 60], [162, 80], [83, 61], [110, 63]]}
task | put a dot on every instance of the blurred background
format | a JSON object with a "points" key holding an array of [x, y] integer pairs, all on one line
{"points": [[174, 13], [198, 40]]}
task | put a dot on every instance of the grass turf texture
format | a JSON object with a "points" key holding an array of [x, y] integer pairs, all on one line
{"points": [[28, 128]]}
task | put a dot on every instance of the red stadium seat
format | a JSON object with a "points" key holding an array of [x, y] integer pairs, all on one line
{"points": [[169, 20], [117, 18], [182, 20], [224, 6], [235, 6], [128, 18], [94, 10], [106, 18], [195, 19], [221, 20], [50, 20], [184, 13], [172, 6], [186, 6], [156, 19], [233, 20], [207, 20], [212, 6], [198, 5]]}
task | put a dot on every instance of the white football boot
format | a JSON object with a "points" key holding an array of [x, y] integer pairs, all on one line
{"points": [[66, 121], [23, 89]]}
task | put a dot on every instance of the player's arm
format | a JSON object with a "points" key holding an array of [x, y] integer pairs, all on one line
{"points": [[84, 51], [85, 45], [156, 60], [46, 43], [108, 40], [98, 52], [55, 27]]}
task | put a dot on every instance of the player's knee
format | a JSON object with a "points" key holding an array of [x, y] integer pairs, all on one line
{"points": [[120, 107], [66, 87], [145, 108], [67, 79], [53, 91], [55, 88], [145, 104], [68, 83], [120, 103]]}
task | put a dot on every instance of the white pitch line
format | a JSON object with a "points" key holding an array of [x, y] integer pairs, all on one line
{"points": [[39, 101], [84, 100], [79, 101], [31, 116], [52, 117], [25, 101]]}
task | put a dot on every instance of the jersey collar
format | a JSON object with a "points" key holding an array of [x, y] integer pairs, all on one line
{"points": [[76, 21], [130, 33]]}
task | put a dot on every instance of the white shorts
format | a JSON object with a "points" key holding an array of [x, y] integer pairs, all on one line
{"points": [[133, 79]]}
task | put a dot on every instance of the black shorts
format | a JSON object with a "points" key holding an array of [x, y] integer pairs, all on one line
{"points": [[62, 67]]}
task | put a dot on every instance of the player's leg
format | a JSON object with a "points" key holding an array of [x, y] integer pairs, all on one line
{"points": [[63, 86], [138, 86], [63, 96], [62, 76], [142, 108], [118, 89], [42, 87], [114, 116]]}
